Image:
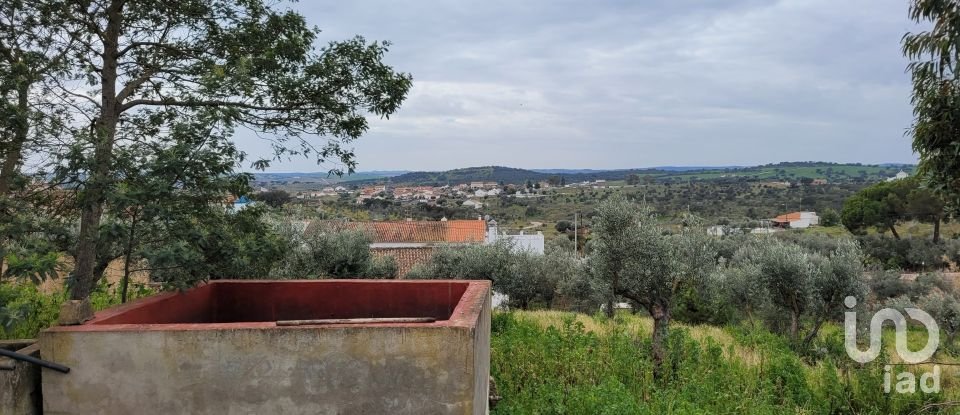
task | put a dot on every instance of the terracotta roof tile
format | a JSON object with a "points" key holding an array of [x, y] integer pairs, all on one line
{"points": [[453, 231], [789, 217], [406, 258]]}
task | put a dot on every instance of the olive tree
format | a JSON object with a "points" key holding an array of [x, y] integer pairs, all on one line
{"points": [[797, 282], [330, 254], [838, 276], [527, 279], [645, 263], [787, 273]]}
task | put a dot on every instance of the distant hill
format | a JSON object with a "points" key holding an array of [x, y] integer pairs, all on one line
{"points": [[324, 177], [569, 171], [470, 174], [787, 171]]}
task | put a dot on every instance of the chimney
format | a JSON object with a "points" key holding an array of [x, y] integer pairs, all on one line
{"points": [[491, 231]]}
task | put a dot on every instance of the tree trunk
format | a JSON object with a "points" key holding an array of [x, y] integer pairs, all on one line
{"points": [[936, 229], [661, 319], [794, 325], [126, 259], [15, 151], [14, 154], [613, 294], [104, 132], [893, 230], [813, 333]]}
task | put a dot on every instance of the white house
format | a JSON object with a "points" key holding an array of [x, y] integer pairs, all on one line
{"points": [[797, 220], [473, 203], [900, 176], [532, 243]]}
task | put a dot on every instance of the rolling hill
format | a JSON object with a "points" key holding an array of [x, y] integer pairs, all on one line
{"points": [[787, 171]]}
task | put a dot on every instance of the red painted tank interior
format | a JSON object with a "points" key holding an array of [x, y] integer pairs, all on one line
{"points": [[267, 301]]}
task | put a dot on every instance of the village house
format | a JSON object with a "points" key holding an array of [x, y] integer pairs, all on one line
{"points": [[412, 242], [371, 192], [472, 203], [900, 176], [521, 242], [485, 193], [796, 220], [483, 185]]}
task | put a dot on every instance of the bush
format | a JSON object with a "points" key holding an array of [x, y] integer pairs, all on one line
{"points": [[567, 369], [829, 217], [332, 254], [910, 254], [25, 311], [529, 280]]}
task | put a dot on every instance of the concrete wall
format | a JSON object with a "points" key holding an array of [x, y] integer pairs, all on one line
{"points": [[481, 359], [226, 368], [19, 381]]}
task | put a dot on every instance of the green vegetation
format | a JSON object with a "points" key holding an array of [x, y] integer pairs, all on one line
{"points": [[164, 87], [549, 362], [329, 253], [26, 310], [529, 280], [791, 171], [933, 56], [635, 259], [885, 204]]}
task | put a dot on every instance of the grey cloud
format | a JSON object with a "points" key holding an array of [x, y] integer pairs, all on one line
{"points": [[612, 84]]}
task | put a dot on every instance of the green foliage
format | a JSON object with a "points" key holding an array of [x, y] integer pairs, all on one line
{"points": [[381, 268], [223, 245], [273, 198], [566, 369], [208, 68], [529, 280], [331, 253], [795, 281], [830, 217], [25, 311], [910, 254], [933, 57], [885, 204]]}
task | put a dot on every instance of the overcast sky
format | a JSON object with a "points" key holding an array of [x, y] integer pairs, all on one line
{"points": [[620, 84]]}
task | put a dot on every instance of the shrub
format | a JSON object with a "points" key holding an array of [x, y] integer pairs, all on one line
{"points": [[333, 254], [529, 280]]}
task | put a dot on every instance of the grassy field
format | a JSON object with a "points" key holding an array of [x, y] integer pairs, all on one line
{"points": [[549, 362]]}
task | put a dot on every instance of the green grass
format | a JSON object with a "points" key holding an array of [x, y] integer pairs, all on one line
{"points": [[561, 363]]}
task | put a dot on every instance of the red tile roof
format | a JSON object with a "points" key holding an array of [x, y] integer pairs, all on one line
{"points": [[789, 217], [406, 258], [453, 231]]}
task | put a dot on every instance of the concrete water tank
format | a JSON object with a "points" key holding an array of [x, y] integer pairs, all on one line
{"points": [[423, 347]]}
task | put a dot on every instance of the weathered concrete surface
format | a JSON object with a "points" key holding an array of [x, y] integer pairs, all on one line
{"points": [[259, 368], [19, 381]]}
